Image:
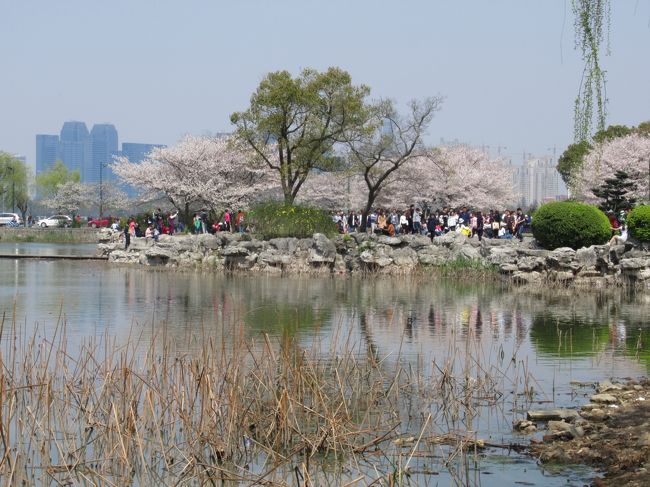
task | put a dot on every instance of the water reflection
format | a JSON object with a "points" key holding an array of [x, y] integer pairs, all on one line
{"points": [[485, 330]]}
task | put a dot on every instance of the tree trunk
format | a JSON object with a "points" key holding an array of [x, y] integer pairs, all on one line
{"points": [[366, 210]]}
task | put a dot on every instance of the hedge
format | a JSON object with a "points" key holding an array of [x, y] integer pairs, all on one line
{"points": [[274, 220], [570, 224], [638, 223]]}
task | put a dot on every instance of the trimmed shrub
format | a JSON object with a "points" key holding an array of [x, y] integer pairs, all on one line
{"points": [[274, 219], [570, 224], [638, 223]]}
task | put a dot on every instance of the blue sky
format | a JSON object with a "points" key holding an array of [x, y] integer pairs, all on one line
{"points": [[158, 69]]}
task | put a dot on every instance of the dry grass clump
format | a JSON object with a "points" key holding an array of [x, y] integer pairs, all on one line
{"points": [[239, 413]]}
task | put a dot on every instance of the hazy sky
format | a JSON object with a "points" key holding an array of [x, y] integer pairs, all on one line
{"points": [[160, 68]]}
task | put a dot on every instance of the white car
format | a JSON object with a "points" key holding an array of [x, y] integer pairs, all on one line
{"points": [[7, 218], [55, 221]]}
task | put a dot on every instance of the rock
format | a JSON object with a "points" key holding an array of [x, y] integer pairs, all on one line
{"points": [[634, 264], [376, 257], [323, 249], [228, 238], [406, 257], [604, 399], [157, 252], [433, 255], [566, 428], [606, 385], [208, 241], [595, 415], [555, 454], [417, 241], [274, 258], [552, 414], [616, 253], [524, 426], [234, 250], [501, 255], [392, 241], [526, 277], [288, 244], [644, 440], [586, 257], [561, 258], [470, 253], [529, 264], [508, 268]]}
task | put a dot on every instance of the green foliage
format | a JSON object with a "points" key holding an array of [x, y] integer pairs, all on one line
{"points": [[294, 124], [49, 181], [638, 223], [615, 192], [644, 128], [571, 160], [613, 132], [274, 219], [570, 224], [13, 183], [591, 18]]}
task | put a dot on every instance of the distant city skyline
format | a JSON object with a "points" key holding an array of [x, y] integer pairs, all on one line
{"points": [[89, 152], [159, 70]]}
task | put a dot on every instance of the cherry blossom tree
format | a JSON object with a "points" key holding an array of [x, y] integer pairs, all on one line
{"points": [[198, 171], [69, 197], [630, 154], [455, 176], [389, 142]]}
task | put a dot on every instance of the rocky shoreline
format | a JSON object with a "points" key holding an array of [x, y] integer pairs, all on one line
{"points": [[518, 262], [610, 433]]}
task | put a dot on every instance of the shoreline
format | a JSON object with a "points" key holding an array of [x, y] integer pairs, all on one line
{"points": [[520, 263]]}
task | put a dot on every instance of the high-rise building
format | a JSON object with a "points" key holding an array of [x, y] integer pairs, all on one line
{"points": [[537, 181], [104, 145], [74, 147], [137, 152], [47, 147]]}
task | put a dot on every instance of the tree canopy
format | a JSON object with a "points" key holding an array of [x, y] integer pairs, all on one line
{"points": [[293, 125], [13, 182], [49, 181]]}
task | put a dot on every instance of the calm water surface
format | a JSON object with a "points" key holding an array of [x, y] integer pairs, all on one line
{"points": [[542, 341]]}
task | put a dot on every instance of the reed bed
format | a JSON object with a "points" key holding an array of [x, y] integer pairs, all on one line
{"points": [[242, 411]]}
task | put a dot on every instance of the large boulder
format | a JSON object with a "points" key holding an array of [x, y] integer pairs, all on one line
{"points": [[323, 250], [406, 257], [377, 256], [287, 244]]}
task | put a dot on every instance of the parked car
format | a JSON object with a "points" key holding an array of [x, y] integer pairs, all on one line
{"points": [[7, 218], [99, 222], [55, 221]]}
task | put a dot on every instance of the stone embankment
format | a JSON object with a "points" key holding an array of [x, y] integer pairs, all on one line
{"points": [[48, 235], [361, 253]]}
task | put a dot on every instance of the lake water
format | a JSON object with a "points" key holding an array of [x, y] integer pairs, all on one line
{"points": [[536, 342]]}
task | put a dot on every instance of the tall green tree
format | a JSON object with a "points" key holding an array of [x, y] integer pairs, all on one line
{"points": [[571, 159], [48, 182], [14, 177], [294, 125]]}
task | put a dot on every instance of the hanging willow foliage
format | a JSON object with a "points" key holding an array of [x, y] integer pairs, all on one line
{"points": [[592, 21]]}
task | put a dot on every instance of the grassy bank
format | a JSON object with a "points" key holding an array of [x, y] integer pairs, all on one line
{"points": [[48, 235]]}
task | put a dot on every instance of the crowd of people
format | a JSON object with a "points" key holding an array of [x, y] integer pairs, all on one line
{"points": [[158, 223], [492, 224]]}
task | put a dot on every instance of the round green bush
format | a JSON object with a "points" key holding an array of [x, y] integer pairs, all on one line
{"points": [[274, 220], [570, 224], [638, 223]]}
